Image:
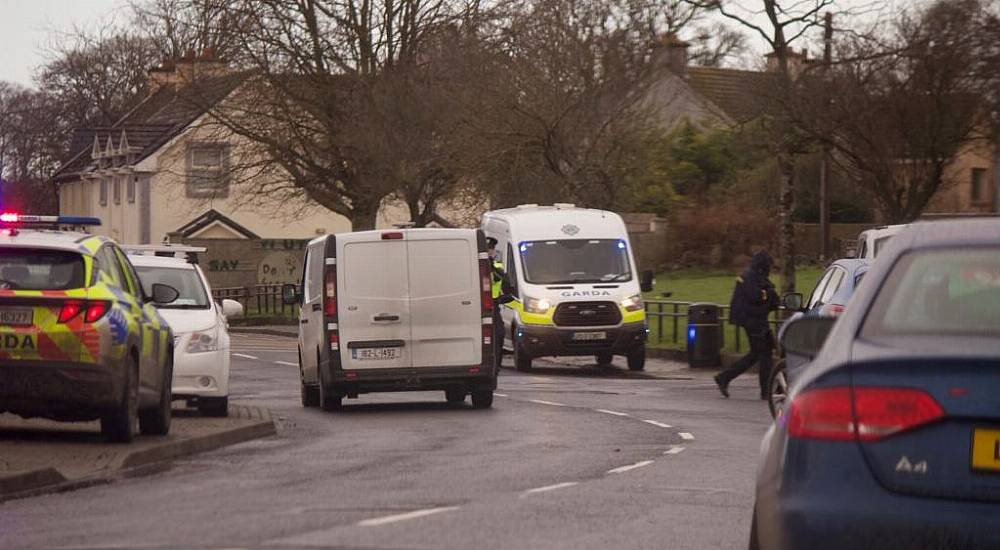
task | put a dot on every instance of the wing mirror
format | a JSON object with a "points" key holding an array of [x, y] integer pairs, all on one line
{"points": [[231, 308], [792, 302], [505, 299], [647, 281], [805, 336], [164, 294], [290, 294]]}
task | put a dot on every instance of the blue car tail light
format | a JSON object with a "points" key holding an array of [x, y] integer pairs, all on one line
{"points": [[842, 413]]}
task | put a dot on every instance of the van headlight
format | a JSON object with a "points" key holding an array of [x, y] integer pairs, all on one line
{"points": [[537, 306], [203, 341], [632, 303]]}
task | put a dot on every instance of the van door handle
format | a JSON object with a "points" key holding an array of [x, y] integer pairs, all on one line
{"points": [[317, 307], [385, 318]]}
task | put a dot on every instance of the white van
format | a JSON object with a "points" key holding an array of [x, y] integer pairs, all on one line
{"points": [[573, 276], [395, 310]]}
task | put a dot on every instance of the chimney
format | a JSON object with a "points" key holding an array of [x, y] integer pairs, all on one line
{"points": [[796, 61], [186, 69], [671, 52]]}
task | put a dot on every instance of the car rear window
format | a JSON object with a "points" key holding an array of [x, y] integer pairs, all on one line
{"points": [[939, 292], [40, 269]]}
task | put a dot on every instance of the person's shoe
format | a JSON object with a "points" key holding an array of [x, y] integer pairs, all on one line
{"points": [[723, 387]]}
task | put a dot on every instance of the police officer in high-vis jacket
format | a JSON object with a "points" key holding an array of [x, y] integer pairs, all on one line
{"points": [[497, 278]]}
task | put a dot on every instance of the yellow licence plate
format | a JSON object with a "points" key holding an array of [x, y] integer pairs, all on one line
{"points": [[986, 449]]}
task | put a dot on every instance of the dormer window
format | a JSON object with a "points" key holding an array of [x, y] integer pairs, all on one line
{"points": [[208, 165]]}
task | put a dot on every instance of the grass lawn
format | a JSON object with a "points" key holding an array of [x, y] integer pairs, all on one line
{"points": [[703, 286]]}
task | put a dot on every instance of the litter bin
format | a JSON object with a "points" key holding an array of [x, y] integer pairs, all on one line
{"points": [[704, 336]]}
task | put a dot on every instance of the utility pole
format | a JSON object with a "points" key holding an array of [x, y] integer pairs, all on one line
{"points": [[824, 170]]}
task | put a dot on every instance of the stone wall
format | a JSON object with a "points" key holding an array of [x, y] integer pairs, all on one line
{"points": [[651, 240], [245, 262]]}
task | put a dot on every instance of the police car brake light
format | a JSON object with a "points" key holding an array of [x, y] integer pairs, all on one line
{"points": [[92, 311]]}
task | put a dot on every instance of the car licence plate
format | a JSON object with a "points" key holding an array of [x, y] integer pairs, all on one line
{"points": [[16, 316], [590, 336], [986, 449], [375, 354]]}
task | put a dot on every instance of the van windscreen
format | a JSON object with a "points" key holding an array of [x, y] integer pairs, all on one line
{"points": [[571, 261]]}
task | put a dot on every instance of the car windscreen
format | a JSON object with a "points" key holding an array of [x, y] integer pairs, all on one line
{"points": [[575, 261], [40, 269], [191, 292], [939, 292]]}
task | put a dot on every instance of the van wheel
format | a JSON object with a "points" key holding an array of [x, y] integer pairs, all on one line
{"points": [[455, 396], [637, 358], [118, 424], [328, 401], [604, 359], [482, 399], [156, 421], [310, 393]]}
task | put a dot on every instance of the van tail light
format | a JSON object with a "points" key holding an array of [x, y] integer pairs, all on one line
{"points": [[330, 291], [486, 287], [862, 413], [832, 310], [392, 236], [334, 340], [92, 311], [487, 333]]}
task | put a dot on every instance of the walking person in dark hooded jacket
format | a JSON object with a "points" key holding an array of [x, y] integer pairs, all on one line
{"points": [[753, 299]]}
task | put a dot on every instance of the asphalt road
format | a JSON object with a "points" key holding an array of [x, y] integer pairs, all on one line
{"points": [[561, 461]]}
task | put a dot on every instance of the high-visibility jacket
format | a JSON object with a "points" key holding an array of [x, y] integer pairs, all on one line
{"points": [[496, 277]]}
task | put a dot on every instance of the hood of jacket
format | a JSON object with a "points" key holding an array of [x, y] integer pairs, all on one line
{"points": [[761, 263]]}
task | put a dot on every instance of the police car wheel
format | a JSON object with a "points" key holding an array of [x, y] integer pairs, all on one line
{"points": [[482, 399], [637, 358], [118, 424], [156, 421]]}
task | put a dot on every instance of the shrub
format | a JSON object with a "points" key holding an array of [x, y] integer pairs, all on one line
{"points": [[713, 234]]}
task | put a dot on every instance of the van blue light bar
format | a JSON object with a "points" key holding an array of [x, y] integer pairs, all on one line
{"points": [[15, 219]]}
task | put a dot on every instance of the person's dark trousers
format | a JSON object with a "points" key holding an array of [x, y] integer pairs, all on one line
{"points": [[761, 345], [498, 334]]}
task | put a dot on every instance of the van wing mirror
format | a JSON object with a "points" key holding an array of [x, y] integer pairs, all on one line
{"points": [[289, 294], [805, 336], [647, 281]]}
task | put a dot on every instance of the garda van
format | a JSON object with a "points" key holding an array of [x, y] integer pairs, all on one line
{"points": [[573, 276], [395, 310]]}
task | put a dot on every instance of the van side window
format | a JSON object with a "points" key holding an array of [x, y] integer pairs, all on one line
{"points": [[510, 266]]}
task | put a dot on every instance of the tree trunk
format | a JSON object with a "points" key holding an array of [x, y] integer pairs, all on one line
{"points": [[364, 217], [786, 231]]}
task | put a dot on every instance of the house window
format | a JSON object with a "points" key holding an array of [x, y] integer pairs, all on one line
{"points": [[207, 171], [131, 190], [979, 185], [118, 191], [104, 191]]}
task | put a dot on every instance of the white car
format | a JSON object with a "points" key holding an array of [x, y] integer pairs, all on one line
{"points": [[871, 241], [200, 327]]}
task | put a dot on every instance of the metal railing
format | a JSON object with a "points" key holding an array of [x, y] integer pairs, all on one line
{"points": [[667, 321], [260, 300]]}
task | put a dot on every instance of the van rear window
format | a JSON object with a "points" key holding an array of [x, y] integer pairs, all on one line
{"points": [[40, 269]]}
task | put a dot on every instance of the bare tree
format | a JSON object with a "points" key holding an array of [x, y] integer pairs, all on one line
{"points": [[179, 26]]}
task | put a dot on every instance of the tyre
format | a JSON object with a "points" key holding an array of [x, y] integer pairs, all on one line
{"points": [[156, 421], [455, 396], [637, 358], [754, 543], [328, 401], [482, 399], [214, 406], [310, 393], [603, 359], [522, 361], [777, 389], [118, 424]]}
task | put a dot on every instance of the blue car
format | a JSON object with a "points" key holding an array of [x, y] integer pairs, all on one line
{"points": [[828, 299], [891, 435]]}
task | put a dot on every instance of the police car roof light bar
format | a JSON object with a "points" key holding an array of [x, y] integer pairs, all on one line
{"points": [[15, 219]]}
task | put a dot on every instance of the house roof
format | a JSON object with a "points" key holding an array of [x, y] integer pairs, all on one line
{"points": [[209, 218], [732, 90]]}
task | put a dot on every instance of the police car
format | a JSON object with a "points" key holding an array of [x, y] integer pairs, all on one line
{"points": [[199, 324], [79, 338]]}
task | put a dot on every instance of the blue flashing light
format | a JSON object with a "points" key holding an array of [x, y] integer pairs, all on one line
{"points": [[524, 248], [692, 332], [621, 245]]}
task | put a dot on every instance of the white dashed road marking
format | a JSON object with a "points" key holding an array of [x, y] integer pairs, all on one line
{"points": [[553, 403], [686, 436], [623, 469], [616, 413], [287, 363], [245, 356], [500, 394], [659, 424], [550, 487], [676, 449], [375, 522]]}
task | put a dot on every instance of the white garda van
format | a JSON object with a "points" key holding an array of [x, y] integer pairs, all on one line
{"points": [[573, 276], [395, 310]]}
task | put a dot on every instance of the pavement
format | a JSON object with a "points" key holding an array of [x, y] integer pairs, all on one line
{"points": [[40, 455], [570, 456]]}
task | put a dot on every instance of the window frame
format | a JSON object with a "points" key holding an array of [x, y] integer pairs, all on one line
{"points": [[130, 189], [103, 194], [207, 181], [978, 186]]}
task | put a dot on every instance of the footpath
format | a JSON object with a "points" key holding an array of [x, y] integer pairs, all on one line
{"points": [[38, 456]]}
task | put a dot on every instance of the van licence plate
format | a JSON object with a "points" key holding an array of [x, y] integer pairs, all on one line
{"points": [[16, 316], [375, 354], [590, 336]]}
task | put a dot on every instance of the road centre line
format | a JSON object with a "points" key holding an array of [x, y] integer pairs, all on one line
{"points": [[553, 403], [500, 394], [676, 449], [623, 469], [375, 522], [547, 488], [616, 413], [287, 363], [686, 436], [243, 355], [659, 424]]}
